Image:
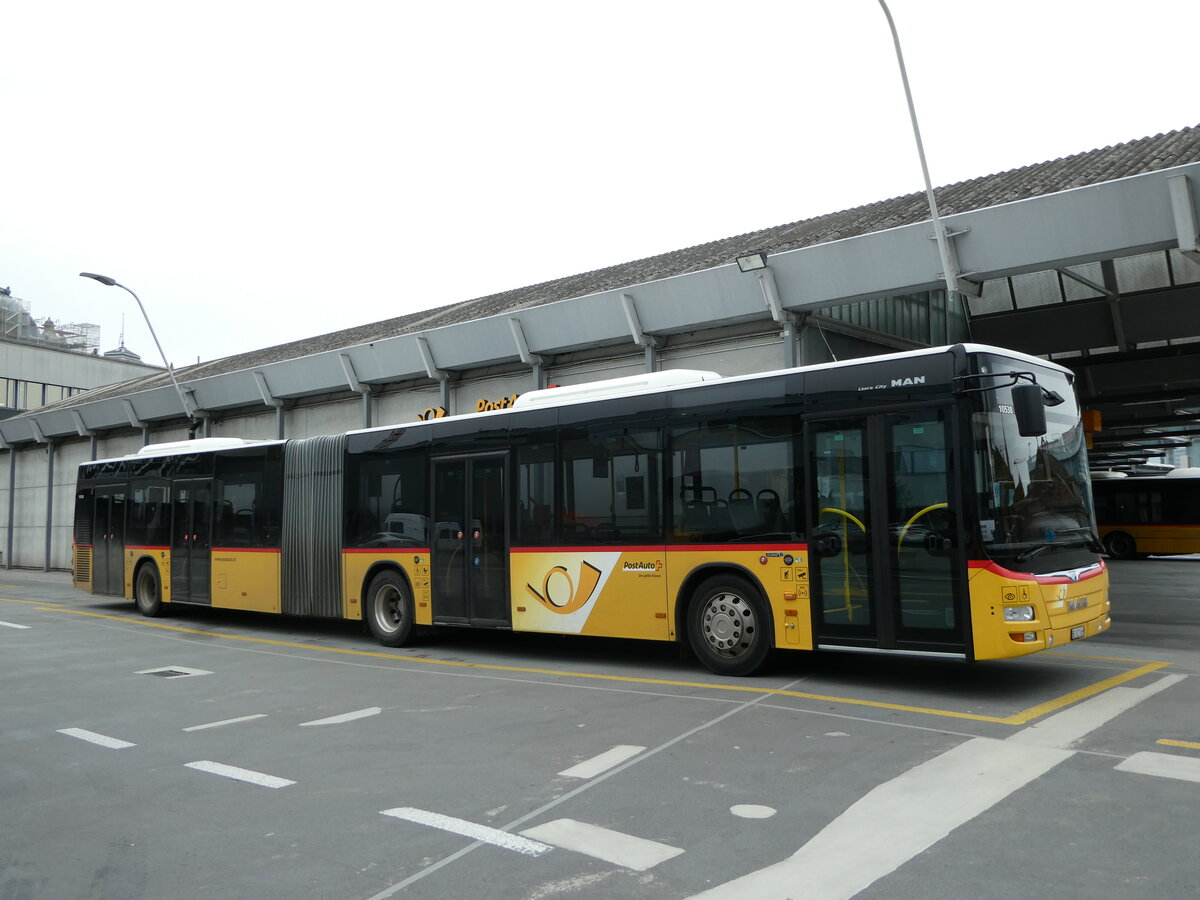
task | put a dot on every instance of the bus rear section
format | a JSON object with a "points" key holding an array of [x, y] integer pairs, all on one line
{"points": [[1148, 515]]}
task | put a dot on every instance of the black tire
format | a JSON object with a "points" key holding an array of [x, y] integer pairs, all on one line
{"points": [[1120, 545], [728, 626], [389, 609], [147, 590]]}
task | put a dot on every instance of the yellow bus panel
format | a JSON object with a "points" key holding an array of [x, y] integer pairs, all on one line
{"points": [[1060, 610], [245, 579], [631, 592], [413, 561]]}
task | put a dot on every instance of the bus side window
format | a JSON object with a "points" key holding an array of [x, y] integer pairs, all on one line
{"points": [[535, 493], [734, 480]]}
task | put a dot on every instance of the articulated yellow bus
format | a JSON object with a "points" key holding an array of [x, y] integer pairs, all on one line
{"points": [[1150, 515], [933, 502]]}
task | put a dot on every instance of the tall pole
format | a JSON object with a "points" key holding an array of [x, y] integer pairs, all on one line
{"points": [[112, 282], [949, 270]]}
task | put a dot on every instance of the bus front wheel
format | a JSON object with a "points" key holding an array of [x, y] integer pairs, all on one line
{"points": [[389, 609], [728, 626], [1120, 545], [147, 591]]}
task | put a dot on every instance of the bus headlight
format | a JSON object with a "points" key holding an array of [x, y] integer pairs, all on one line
{"points": [[1018, 614]]}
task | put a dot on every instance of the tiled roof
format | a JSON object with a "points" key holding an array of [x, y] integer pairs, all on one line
{"points": [[1149, 154]]}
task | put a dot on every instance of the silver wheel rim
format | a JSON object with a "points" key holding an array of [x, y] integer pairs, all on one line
{"points": [[728, 624], [388, 608]]}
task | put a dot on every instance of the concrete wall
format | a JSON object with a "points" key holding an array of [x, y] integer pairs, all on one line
{"points": [[66, 367]]}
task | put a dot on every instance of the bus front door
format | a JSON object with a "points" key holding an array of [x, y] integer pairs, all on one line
{"points": [[191, 542], [470, 542], [886, 555], [108, 542]]}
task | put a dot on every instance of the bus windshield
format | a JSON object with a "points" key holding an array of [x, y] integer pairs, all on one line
{"points": [[1034, 493]]}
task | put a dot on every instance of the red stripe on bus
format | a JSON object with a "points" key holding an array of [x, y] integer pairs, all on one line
{"points": [[384, 551], [246, 550], [663, 548], [997, 569], [133, 547]]}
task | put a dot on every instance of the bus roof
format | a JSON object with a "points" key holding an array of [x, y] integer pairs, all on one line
{"points": [[686, 379], [181, 448]]}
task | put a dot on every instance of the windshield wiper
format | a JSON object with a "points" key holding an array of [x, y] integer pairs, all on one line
{"points": [[1032, 552], [1090, 541]]}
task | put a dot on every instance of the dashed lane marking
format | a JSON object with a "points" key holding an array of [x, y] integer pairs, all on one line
{"points": [[92, 737], [14, 625], [224, 722], [611, 846], [345, 717], [249, 776], [472, 830], [1022, 717], [590, 768]]}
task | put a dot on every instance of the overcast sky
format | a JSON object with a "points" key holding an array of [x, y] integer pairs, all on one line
{"points": [[260, 172]]}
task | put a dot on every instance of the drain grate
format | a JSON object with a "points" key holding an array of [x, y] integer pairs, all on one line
{"points": [[173, 672]]}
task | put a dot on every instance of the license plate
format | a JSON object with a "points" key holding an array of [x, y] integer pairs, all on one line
{"points": [[1078, 631]]}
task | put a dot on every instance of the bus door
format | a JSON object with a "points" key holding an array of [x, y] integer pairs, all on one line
{"points": [[470, 541], [108, 541], [886, 556], [191, 541]]}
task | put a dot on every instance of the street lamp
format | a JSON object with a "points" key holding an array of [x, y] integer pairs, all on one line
{"points": [[112, 282], [949, 268]]}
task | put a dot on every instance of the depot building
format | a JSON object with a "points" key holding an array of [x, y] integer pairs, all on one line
{"points": [[1092, 260]]}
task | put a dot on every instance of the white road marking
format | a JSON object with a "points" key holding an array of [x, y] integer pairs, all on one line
{"points": [[1073, 723], [14, 625], [1164, 765], [247, 775], [590, 768], [93, 738], [472, 830], [345, 717], [226, 722], [575, 792], [753, 811], [611, 846], [951, 789]]}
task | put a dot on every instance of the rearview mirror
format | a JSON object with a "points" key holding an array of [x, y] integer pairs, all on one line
{"points": [[1029, 409]]}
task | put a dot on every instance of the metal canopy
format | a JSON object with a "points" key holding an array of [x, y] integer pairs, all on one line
{"points": [[1081, 227]]}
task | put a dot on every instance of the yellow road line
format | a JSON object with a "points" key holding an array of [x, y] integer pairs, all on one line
{"points": [[1019, 718], [29, 602], [1190, 745]]}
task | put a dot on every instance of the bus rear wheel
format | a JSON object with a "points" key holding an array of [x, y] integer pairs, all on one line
{"points": [[390, 610], [728, 626], [147, 591], [1120, 545]]}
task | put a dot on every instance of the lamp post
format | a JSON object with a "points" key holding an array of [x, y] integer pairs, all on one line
{"points": [[949, 268], [112, 282]]}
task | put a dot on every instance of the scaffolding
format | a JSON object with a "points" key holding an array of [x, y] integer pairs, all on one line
{"points": [[18, 324]]}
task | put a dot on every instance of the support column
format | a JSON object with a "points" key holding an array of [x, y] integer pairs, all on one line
{"points": [[1184, 210], [136, 421], [783, 317], [533, 360], [49, 504], [431, 369], [12, 500], [264, 391], [356, 385], [650, 343]]}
